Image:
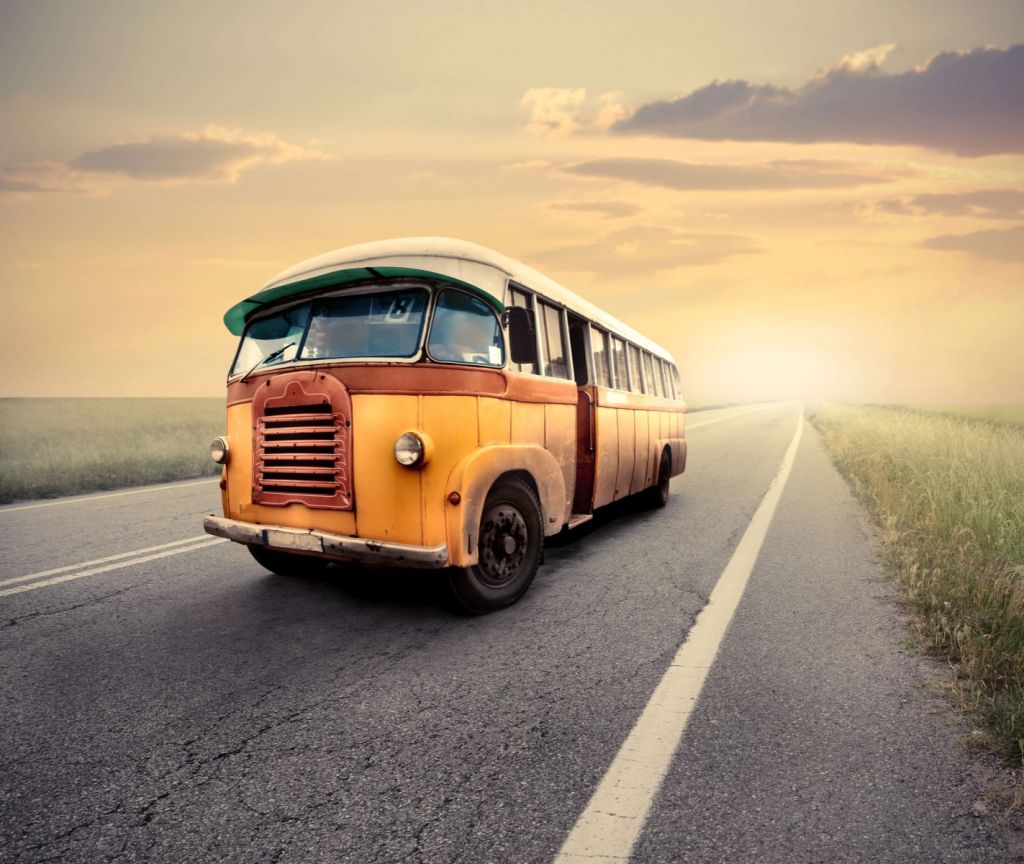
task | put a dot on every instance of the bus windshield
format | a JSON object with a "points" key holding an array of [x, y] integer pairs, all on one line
{"points": [[384, 324]]}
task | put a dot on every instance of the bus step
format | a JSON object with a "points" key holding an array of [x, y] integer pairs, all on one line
{"points": [[578, 519]]}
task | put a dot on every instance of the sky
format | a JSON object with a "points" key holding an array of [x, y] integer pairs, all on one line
{"points": [[797, 199]]}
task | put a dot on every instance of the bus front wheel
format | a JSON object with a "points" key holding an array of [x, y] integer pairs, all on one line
{"points": [[511, 540], [287, 563]]}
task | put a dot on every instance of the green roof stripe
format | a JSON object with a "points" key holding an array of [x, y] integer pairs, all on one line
{"points": [[237, 316]]}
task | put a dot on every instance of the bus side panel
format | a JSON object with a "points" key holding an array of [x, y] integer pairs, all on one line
{"points": [[606, 467], [451, 424], [642, 450], [387, 496], [527, 423], [495, 420], [627, 455], [560, 441]]}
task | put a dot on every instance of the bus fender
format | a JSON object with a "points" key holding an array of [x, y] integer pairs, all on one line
{"points": [[677, 452], [472, 479]]}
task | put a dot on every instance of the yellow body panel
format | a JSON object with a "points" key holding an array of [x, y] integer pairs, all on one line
{"points": [[560, 442], [495, 420], [606, 466], [451, 423], [527, 423], [387, 496], [627, 451]]}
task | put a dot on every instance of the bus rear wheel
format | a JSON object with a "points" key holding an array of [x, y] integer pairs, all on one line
{"points": [[657, 495], [511, 540], [287, 563]]}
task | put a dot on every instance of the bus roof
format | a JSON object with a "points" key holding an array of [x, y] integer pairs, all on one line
{"points": [[471, 265]]}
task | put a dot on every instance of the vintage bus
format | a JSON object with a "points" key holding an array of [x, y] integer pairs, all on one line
{"points": [[430, 403]]}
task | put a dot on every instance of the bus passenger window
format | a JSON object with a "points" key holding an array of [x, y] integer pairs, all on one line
{"points": [[555, 363], [634, 369], [659, 388], [602, 358], [521, 299], [666, 383], [465, 330], [648, 374], [619, 356]]}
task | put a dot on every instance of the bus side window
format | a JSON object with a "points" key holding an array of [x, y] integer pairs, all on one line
{"points": [[649, 387], [602, 357], [619, 356], [555, 364], [634, 369], [522, 299], [676, 383], [659, 376]]}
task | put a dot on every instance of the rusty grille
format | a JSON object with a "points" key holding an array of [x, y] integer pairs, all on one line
{"points": [[301, 447]]}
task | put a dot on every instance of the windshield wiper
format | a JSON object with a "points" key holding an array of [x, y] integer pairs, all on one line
{"points": [[273, 355]]}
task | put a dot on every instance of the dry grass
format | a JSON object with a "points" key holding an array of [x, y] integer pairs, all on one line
{"points": [[948, 494], [52, 447]]}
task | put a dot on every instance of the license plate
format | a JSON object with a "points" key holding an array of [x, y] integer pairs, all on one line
{"points": [[288, 540]]}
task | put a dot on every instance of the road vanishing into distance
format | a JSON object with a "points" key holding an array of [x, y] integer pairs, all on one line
{"points": [[163, 698]]}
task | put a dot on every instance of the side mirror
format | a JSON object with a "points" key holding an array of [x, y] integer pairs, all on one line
{"points": [[522, 335]]}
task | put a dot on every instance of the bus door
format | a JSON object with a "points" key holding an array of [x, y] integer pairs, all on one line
{"points": [[583, 499]]}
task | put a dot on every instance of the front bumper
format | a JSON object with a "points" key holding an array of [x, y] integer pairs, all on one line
{"points": [[329, 545]]}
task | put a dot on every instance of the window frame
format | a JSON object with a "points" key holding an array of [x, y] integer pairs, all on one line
{"points": [[428, 329]]}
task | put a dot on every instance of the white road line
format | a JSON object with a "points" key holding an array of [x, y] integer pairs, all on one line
{"points": [[81, 574], [697, 425], [82, 564], [77, 499], [609, 827]]}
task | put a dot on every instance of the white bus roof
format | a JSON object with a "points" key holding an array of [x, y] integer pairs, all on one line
{"points": [[461, 260]]}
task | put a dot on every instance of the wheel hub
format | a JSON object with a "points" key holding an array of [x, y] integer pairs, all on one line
{"points": [[502, 545]]}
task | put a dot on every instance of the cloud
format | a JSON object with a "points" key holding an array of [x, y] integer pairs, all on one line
{"points": [[563, 111], [970, 103], [998, 244], [644, 249], [780, 174], [29, 177], [607, 209], [215, 154], [980, 203]]}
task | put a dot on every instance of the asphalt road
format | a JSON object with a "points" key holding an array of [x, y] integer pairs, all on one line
{"points": [[182, 704]]}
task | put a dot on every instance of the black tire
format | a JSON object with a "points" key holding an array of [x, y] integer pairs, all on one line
{"points": [[657, 496], [511, 543], [288, 563]]}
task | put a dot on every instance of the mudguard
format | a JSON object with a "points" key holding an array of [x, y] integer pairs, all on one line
{"points": [[473, 478]]}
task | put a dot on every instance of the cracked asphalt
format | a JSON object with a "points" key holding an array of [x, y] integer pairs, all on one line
{"points": [[198, 708]]}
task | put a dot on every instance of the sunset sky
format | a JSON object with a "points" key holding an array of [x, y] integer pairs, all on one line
{"points": [[795, 202]]}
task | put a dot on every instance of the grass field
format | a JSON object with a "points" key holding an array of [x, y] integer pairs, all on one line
{"points": [[1009, 415], [52, 447], [946, 487]]}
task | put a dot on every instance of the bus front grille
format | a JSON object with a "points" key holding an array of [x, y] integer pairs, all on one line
{"points": [[302, 442]]}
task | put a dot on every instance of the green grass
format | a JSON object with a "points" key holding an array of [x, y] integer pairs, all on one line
{"points": [[948, 493], [1008, 415], [51, 447]]}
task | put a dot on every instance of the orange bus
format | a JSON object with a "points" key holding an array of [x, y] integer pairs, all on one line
{"points": [[428, 402]]}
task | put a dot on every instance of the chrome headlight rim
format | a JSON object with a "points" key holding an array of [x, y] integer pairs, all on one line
{"points": [[220, 452], [410, 450]]}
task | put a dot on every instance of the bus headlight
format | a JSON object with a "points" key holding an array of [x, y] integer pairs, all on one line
{"points": [[412, 449], [219, 451]]}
